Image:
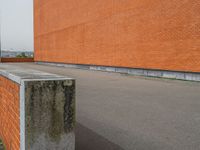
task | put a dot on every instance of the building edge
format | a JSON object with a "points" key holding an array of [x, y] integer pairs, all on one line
{"points": [[168, 74]]}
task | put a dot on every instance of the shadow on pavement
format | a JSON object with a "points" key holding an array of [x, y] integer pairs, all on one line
{"points": [[86, 139]]}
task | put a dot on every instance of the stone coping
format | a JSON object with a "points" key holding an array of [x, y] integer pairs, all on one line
{"points": [[17, 74], [179, 75]]}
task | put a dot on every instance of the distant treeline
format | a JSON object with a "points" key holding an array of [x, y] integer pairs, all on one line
{"points": [[18, 54]]}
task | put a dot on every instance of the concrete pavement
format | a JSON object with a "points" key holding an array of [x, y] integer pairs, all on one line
{"points": [[120, 112]]}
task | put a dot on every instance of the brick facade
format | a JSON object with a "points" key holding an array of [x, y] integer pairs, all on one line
{"points": [[153, 34], [9, 114], [6, 60]]}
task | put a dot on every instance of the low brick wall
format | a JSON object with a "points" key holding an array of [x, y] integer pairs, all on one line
{"points": [[37, 110], [9, 114], [17, 60]]}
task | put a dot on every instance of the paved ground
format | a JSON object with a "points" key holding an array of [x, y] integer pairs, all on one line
{"points": [[119, 112]]}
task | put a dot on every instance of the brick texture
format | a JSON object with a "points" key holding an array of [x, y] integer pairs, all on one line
{"points": [[5, 60], [154, 34], [9, 114]]}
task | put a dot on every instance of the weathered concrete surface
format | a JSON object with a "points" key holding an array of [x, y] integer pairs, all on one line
{"points": [[50, 115], [47, 108], [119, 112], [18, 74]]}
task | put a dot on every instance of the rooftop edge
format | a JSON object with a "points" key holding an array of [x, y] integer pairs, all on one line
{"points": [[18, 74]]}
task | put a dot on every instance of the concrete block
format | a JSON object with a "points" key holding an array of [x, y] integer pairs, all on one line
{"points": [[102, 68], [47, 109], [154, 73], [180, 75], [145, 72], [111, 69], [168, 74], [192, 76], [138, 72], [49, 114], [94, 68], [122, 70], [86, 67]]}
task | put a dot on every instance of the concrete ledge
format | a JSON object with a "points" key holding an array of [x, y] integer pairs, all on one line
{"points": [[47, 108], [189, 76]]}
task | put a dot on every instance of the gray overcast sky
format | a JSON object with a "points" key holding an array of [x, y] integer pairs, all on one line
{"points": [[16, 24]]}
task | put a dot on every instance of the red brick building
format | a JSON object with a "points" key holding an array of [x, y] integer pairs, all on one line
{"points": [[10, 113], [149, 34]]}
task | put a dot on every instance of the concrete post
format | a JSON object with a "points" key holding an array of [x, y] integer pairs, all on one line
{"points": [[47, 109]]}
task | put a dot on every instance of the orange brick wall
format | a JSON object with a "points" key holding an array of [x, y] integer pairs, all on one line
{"points": [[155, 34], [9, 114], [5, 60]]}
